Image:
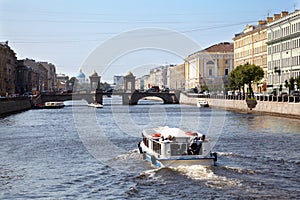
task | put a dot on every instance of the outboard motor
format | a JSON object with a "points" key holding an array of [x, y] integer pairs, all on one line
{"points": [[140, 148], [215, 155]]}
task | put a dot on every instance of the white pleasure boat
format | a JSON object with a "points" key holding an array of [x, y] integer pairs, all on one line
{"points": [[50, 105], [95, 105], [202, 103], [172, 147]]}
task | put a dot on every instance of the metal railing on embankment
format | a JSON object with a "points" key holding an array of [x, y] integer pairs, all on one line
{"points": [[271, 98]]}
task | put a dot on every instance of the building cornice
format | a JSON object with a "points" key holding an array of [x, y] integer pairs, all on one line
{"points": [[285, 18]]}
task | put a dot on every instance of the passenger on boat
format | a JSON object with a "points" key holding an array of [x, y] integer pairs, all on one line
{"points": [[195, 145], [170, 138]]}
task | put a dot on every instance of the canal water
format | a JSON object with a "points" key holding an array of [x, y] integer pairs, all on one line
{"points": [[79, 152]]}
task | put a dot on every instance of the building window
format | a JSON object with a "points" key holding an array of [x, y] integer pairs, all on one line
{"points": [[226, 72], [210, 63], [210, 72]]}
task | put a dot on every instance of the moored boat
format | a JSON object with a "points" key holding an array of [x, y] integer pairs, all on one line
{"points": [[50, 105], [173, 147], [202, 103], [95, 105], [54, 105]]}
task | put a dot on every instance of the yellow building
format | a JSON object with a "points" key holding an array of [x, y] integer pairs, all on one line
{"points": [[209, 67], [250, 47], [175, 77]]}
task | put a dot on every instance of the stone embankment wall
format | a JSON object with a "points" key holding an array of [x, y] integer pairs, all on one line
{"points": [[14, 105], [268, 107]]}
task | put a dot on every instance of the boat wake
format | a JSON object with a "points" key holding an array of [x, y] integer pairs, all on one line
{"points": [[205, 174]]}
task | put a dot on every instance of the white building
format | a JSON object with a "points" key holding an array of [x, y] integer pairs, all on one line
{"points": [[283, 49]]}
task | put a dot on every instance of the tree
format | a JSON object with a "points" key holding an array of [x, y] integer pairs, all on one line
{"points": [[297, 80], [245, 74], [236, 78], [290, 84], [72, 81]]}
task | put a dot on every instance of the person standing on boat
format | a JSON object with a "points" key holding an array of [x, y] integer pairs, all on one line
{"points": [[195, 146]]}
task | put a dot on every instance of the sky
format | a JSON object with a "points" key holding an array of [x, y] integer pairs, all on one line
{"points": [[117, 36]]}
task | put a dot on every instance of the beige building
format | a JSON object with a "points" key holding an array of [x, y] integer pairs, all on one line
{"points": [[157, 77], [283, 49], [175, 77], [8, 64], [62, 82], [250, 47], [209, 67], [51, 76]]}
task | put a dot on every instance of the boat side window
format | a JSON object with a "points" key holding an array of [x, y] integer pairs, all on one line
{"points": [[145, 140], [156, 147], [178, 149]]}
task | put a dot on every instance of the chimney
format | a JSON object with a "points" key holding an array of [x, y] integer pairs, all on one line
{"points": [[262, 22], [284, 13], [276, 16], [269, 19]]}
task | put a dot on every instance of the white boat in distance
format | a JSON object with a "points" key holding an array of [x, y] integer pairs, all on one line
{"points": [[173, 147], [202, 103], [95, 105], [53, 105]]}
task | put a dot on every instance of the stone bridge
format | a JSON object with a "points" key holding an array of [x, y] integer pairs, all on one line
{"points": [[66, 97], [127, 98], [133, 98]]}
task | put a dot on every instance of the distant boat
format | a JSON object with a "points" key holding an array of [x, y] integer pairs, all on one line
{"points": [[95, 105], [50, 105], [173, 147], [202, 103]]}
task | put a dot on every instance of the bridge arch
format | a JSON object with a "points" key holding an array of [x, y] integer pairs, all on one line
{"points": [[167, 98]]}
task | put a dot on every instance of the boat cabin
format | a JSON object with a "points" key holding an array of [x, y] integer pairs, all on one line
{"points": [[175, 142]]}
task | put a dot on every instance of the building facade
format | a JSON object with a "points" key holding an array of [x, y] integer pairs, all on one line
{"points": [[250, 46], [37, 75], [209, 67], [62, 82], [51, 76], [283, 32], [8, 64], [175, 77]]}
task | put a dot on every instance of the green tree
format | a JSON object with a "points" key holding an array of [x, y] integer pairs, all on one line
{"points": [[236, 81], [72, 81], [104, 86], [246, 74], [290, 84], [204, 88], [297, 80]]}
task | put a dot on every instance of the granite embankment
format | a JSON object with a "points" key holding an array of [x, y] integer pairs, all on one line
{"points": [[14, 105], [278, 108]]}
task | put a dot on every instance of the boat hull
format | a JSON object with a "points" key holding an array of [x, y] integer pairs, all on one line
{"points": [[185, 160], [95, 105], [205, 161]]}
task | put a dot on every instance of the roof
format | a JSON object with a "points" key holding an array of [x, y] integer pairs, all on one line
{"points": [[80, 75], [221, 47], [166, 131]]}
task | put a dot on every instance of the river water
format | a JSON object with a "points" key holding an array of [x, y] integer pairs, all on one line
{"points": [[80, 153]]}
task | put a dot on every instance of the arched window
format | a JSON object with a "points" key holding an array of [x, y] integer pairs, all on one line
{"points": [[210, 63]]}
